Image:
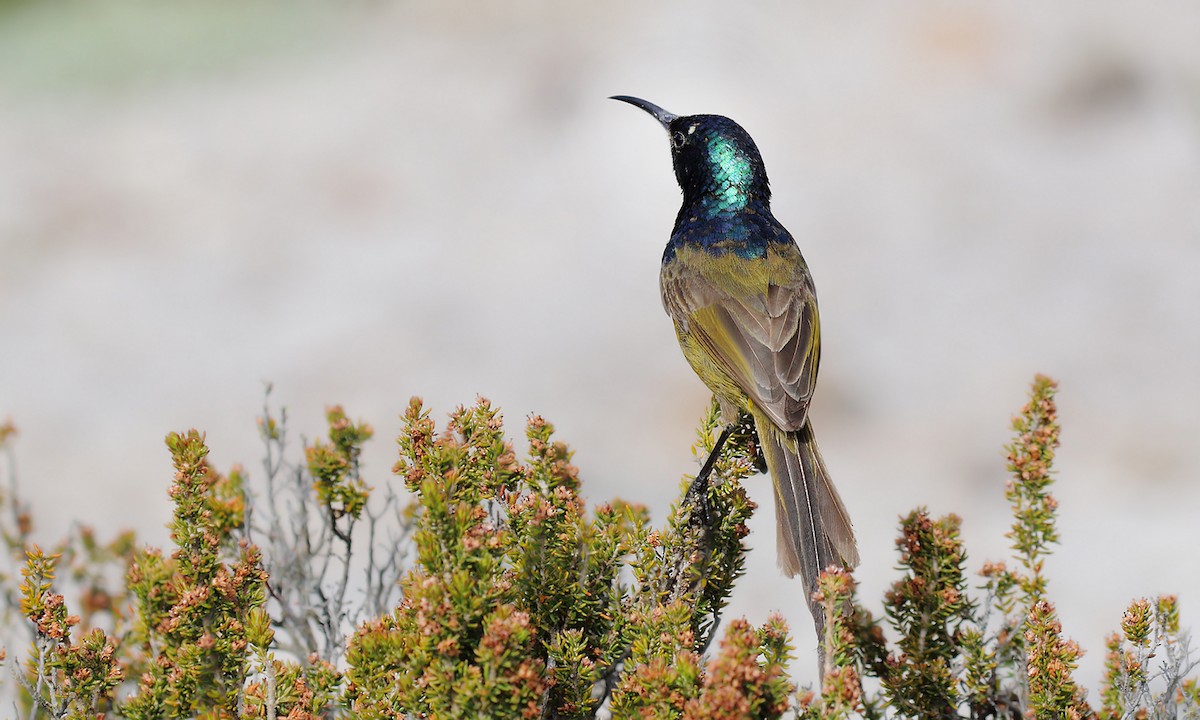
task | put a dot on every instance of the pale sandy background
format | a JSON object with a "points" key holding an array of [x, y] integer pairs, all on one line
{"points": [[364, 201]]}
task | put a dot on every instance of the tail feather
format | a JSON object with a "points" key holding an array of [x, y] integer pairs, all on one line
{"points": [[813, 527]]}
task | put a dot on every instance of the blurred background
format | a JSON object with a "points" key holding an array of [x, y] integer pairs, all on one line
{"points": [[363, 201]]}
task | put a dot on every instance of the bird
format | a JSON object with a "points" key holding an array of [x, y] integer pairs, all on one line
{"points": [[742, 300]]}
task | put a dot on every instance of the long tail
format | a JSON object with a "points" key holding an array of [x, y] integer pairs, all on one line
{"points": [[813, 528]]}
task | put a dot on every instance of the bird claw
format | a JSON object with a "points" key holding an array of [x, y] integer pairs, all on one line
{"points": [[697, 493], [696, 497]]}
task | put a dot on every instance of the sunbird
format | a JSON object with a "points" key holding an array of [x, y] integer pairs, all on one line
{"points": [[745, 312]]}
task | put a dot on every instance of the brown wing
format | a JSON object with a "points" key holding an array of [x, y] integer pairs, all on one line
{"points": [[755, 320]]}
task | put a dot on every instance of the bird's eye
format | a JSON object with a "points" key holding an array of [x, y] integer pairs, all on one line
{"points": [[677, 139]]}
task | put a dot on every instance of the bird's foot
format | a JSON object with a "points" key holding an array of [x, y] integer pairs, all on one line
{"points": [[697, 493], [696, 498]]}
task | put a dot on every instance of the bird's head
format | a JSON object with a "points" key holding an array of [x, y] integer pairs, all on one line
{"points": [[716, 162]]}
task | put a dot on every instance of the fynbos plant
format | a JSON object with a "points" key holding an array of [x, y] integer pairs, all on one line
{"points": [[1001, 655], [524, 604], [495, 592]]}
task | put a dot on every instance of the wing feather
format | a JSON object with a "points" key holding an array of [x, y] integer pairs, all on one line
{"points": [[756, 320]]}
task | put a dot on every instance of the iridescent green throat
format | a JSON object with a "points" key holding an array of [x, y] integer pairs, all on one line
{"points": [[732, 177]]}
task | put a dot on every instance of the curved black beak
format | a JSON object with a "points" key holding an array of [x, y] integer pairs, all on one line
{"points": [[659, 114]]}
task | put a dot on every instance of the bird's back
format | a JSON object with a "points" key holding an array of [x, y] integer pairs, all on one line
{"points": [[745, 310]]}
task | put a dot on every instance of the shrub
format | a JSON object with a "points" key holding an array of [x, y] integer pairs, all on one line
{"points": [[492, 591]]}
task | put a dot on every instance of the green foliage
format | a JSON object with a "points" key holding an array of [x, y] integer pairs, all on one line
{"points": [[334, 465], [1002, 654], [1150, 631], [63, 679], [1051, 661], [522, 603], [927, 608], [1030, 457], [193, 605], [497, 593]]}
